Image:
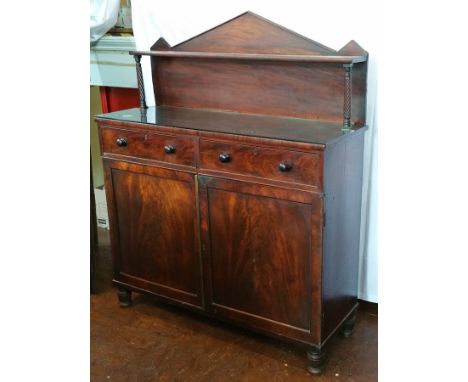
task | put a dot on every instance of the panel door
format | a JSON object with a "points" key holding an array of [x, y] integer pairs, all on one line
{"points": [[262, 250], [154, 227]]}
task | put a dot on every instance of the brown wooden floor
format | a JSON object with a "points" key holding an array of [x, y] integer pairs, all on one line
{"points": [[153, 341]]}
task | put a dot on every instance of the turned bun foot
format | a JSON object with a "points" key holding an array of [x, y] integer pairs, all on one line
{"points": [[125, 297], [316, 359], [348, 327]]}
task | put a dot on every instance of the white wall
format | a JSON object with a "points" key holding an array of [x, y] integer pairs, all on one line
{"points": [[332, 23]]}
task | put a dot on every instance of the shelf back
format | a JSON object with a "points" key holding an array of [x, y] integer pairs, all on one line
{"points": [[311, 90]]}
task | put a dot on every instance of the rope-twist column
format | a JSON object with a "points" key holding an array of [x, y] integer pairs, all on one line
{"points": [[141, 88], [347, 97]]}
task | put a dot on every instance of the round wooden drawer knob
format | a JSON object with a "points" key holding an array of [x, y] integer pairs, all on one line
{"points": [[284, 167], [224, 157], [169, 149], [122, 142]]}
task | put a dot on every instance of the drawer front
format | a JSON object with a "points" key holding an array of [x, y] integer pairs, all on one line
{"points": [[283, 165], [165, 148]]}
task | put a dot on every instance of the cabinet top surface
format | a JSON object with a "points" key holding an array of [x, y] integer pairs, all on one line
{"points": [[253, 125]]}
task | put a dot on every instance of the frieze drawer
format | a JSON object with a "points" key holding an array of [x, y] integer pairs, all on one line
{"points": [[282, 165], [165, 148]]}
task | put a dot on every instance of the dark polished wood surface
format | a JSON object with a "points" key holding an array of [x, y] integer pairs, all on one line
{"points": [[251, 33], [156, 241], [253, 125], [256, 73], [284, 165], [167, 148], [259, 271], [238, 196], [156, 341], [254, 57], [342, 166], [250, 36], [263, 88]]}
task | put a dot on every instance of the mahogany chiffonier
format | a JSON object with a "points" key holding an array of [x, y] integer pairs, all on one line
{"points": [[239, 194]]}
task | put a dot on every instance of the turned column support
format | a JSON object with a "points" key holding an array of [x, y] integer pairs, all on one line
{"points": [[141, 87], [348, 90]]}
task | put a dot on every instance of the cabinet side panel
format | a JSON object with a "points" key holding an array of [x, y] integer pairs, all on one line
{"points": [[343, 190]]}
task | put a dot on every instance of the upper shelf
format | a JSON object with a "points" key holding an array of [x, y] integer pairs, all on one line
{"points": [[252, 37], [255, 56], [251, 65]]}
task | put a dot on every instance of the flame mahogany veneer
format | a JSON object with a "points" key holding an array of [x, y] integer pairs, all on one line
{"points": [[239, 194]]}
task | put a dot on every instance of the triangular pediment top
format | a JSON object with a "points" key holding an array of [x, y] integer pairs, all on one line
{"points": [[161, 44], [352, 48], [250, 33]]}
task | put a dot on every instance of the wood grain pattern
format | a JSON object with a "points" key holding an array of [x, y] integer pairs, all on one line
{"points": [[155, 217], [262, 162], [252, 65], [258, 264], [268, 236], [302, 90], [149, 146], [251, 33], [260, 268]]}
